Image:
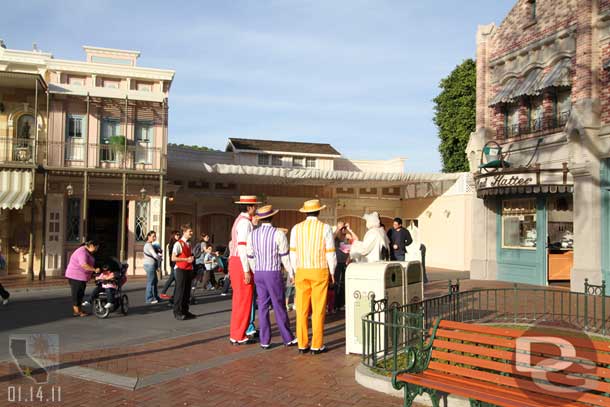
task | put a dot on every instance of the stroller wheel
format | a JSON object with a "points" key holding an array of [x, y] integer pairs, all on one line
{"points": [[124, 304], [99, 308]]}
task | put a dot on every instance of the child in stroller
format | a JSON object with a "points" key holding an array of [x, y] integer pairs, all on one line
{"points": [[107, 295]]}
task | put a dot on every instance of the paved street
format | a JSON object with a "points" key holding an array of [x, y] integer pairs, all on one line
{"points": [[49, 311]]}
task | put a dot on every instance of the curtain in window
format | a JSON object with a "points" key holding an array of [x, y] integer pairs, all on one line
{"points": [[75, 150], [144, 143]]}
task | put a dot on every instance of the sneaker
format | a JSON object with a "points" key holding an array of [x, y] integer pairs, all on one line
{"points": [[323, 349], [5, 301], [223, 294], [154, 302], [164, 296], [85, 303], [293, 342]]}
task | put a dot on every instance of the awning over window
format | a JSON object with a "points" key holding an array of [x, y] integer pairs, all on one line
{"points": [[505, 94], [530, 86], [535, 83], [15, 188], [558, 76]]}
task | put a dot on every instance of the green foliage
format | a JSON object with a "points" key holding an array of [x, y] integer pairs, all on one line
{"points": [[455, 115], [201, 148]]}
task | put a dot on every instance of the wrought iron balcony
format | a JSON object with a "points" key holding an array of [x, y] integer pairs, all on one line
{"points": [[539, 125], [73, 154], [16, 150]]}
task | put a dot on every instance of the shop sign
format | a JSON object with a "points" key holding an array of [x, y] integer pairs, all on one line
{"points": [[524, 179]]}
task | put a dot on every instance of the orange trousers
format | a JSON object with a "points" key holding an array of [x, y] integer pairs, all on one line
{"points": [[241, 305], [311, 290]]}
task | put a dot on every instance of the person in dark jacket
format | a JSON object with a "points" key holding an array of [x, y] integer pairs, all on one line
{"points": [[400, 238]]}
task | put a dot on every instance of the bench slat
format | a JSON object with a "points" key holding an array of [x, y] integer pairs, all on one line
{"points": [[554, 377], [482, 391], [510, 356], [511, 343], [591, 344], [517, 383]]}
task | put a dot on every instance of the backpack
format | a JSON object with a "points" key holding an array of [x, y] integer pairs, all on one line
{"points": [[197, 252]]}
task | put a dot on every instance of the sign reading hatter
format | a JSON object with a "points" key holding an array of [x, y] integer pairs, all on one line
{"points": [[505, 179]]}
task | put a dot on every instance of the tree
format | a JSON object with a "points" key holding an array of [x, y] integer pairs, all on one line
{"points": [[455, 115]]}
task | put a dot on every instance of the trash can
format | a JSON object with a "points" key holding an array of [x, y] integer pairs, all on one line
{"points": [[362, 280]]}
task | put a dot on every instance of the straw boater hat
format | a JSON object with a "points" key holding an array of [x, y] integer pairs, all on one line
{"points": [[265, 212], [312, 206], [248, 200]]}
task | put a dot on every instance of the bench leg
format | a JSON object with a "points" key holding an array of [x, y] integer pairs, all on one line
{"points": [[412, 391]]}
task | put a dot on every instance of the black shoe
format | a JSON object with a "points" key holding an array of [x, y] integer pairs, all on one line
{"points": [[293, 342], [303, 351], [323, 349], [189, 315], [180, 317]]}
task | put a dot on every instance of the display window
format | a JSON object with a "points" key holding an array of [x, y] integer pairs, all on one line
{"points": [[519, 224]]}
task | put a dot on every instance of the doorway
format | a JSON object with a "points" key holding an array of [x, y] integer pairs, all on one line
{"points": [[104, 226]]}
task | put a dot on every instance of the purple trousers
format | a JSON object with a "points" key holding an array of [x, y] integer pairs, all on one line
{"points": [[270, 291]]}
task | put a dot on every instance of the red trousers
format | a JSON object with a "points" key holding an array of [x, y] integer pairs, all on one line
{"points": [[241, 301]]}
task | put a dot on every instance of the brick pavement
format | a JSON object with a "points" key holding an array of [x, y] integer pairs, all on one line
{"points": [[220, 374]]}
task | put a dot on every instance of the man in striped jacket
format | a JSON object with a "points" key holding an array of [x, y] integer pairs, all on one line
{"points": [[267, 250], [312, 254]]}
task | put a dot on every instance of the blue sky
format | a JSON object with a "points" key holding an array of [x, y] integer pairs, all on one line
{"points": [[359, 74]]}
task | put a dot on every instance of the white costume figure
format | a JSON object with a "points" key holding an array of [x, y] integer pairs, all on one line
{"points": [[413, 250], [369, 249]]}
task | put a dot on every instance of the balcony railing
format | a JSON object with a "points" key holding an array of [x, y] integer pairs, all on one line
{"points": [[16, 150], [538, 125], [71, 154]]}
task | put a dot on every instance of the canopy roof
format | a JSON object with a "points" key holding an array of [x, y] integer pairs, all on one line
{"points": [[303, 176], [15, 188]]}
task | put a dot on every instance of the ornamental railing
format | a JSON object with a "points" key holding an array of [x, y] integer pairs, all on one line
{"points": [[388, 331], [538, 125]]}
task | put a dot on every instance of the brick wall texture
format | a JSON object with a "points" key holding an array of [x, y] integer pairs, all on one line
{"points": [[520, 30]]}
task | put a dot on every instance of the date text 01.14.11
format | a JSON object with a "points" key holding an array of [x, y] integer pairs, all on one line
{"points": [[34, 394]]}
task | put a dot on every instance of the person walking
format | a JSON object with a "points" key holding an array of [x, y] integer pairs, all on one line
{"points": [[267, 249], [152, 259], [172, 264], [400, 238], [4, 295], [239, 271], [181, 254], [80, 267], [312, 254]]}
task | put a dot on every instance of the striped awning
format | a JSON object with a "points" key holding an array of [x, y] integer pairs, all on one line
{"points": [[506, 94], [530, 85], [15, 188], [558, 76]]}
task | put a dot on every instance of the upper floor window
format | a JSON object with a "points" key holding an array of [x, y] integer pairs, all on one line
{"points": [[76, 81], [535, 114], [110, 128], [298, 162], [562, 106], [310, 162], [532, 9], [144, 142], [75, 126], [144, 86], [511, 120], [277, 161], [263, 159], [111, 83]]}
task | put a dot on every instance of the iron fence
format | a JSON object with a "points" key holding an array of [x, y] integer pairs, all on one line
{"points": [[388, 332], [535, 125]]}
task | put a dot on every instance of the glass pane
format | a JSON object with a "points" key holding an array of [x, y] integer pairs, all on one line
{"points": [[311, 162], [73, 219], [263, 159], [561, 222], [141, 220], [276, 160], [519, 223], [298, 162]]}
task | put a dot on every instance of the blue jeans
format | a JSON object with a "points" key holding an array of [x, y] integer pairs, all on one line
{"points": [[151, 282]]}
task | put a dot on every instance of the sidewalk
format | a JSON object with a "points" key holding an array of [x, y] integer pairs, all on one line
{"points": [[22, 282], [205, 370]]}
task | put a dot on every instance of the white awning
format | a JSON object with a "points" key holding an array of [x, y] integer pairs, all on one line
{"points": [[307, 176], [15, 188]]}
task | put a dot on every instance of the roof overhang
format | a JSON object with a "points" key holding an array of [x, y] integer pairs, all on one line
{"points": [[22, 80], [302, 176], [15, 188]]}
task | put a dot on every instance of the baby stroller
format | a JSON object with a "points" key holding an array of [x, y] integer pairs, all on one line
{"points": [[121, 301]]}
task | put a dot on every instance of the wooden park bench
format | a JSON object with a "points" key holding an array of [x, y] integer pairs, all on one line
{"points": [[485, 364]]}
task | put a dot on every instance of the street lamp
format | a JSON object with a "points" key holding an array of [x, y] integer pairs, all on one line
{"points": [[69, 190], [143, 194]]}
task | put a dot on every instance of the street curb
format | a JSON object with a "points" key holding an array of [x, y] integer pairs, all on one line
{"points": [[366, 378]]}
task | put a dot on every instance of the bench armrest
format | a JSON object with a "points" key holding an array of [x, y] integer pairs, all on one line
{"points": [[418, 359]]}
